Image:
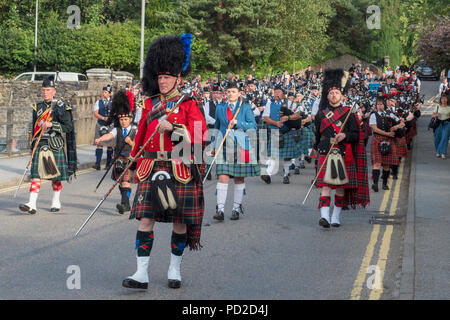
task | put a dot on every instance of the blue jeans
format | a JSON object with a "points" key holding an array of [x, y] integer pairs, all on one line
{"points": [[441, 136]]}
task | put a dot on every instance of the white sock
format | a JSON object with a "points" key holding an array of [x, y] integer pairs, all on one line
{"points": [[55, 200], [286, 166], [293, 161], [297, 162], [32, 202], [222, 189], [238, 195], [174, 272], [325, 213], [336, 215], [141, 274], [271, 167], [302, 157]]}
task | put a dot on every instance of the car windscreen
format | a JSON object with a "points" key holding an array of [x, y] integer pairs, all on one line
{"points": [[42, 76]]}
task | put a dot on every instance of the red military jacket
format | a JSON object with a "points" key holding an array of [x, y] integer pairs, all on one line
{"points": [[188, 116]]}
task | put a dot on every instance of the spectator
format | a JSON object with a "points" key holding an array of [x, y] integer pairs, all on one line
{"points": [[444, 86], [442, 132], [101, 111]]}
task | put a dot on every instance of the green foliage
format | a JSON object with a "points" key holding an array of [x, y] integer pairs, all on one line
{"points": [[229, 35]]}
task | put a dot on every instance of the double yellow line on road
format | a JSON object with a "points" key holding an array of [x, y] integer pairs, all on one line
{"points": [[375, 293]]}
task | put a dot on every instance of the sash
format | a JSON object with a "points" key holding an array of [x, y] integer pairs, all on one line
{"points": [[329, 120], [245, 154], [44, 117]]}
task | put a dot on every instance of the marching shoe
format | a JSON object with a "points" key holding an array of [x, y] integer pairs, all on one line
{"points": [[219, 214], [121, 207], [30, 206], [96, 166], [297, 170], [235, 213], [325, 217], [26, 208], [266, 179], [375, 187], [139, 280], [174, 273], [292, 167], [385, 187], [286, 180]]}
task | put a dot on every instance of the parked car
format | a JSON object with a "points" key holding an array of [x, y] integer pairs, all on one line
{"points": [[425, 71], [59, 76], [101, 73]]}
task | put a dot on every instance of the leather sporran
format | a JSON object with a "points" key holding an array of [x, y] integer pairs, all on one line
{"points": [[335, 172], [384, 147], [47, 167]]}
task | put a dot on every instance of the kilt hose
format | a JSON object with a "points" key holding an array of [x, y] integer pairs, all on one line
{"points": [[288, 147], [306, 140], [390, 159], [190, 201], [60, 159], [351, 173], [402, 149]]}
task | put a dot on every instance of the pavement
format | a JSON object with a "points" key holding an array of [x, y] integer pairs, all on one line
{"points": [[426, 256]]}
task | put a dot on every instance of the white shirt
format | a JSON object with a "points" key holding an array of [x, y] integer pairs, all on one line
{"points": [[373, 118], [97, 106], [315, 107], [114, 131], [208, 118]]}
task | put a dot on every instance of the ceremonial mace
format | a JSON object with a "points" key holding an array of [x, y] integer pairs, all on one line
{"points": [[329, 151], [186, 93], [220, 146]]}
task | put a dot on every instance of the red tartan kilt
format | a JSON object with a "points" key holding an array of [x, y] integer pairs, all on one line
{"points": [[402, 149], [190, 199], [351, 172], [377, 157]]}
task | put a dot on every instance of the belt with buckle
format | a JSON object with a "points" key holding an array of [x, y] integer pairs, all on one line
{"points": [[159, 155]]}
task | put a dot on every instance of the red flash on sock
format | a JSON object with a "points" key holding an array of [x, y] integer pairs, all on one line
{"points": [[56, 185], [35, 186]]}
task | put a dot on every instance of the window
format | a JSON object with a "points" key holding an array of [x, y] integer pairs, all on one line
{"points": [[82, 77], [24, 77], [42, 76]]}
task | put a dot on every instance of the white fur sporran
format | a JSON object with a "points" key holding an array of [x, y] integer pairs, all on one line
{"points": [[335, 172]]}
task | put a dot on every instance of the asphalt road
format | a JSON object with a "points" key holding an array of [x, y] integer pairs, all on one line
{"points": [[275, 251]]}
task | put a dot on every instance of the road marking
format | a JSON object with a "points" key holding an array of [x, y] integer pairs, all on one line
{"points": [[375, 294], [27, 184], [361, 277]]}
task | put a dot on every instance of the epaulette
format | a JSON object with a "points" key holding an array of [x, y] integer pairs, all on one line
{"points": [[34, 106], [68, 107]]}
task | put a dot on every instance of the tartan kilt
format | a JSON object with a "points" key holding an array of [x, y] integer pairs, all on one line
{"points": [[402, 150], [290, 149], [238, 170], [126, 177], [351, 173], [377, 157], [306, 140], [190, 200], [60, 159]]}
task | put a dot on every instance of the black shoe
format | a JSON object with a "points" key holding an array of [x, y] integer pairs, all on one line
{"points": [[266, 179], [285, 180], [234, 215], [54, 209], [133, 284], [174, 284], [96, 166], [385, 187], [292, 167], [335, 225], [219, 215], [302, 165], [324, 223], [25, 208], [394, 176], [375, 187], [107, 167], [123, 208], [297, 171]]}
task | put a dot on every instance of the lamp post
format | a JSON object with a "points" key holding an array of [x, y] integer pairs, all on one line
{"points": [[35, 34], [141, 64]]}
